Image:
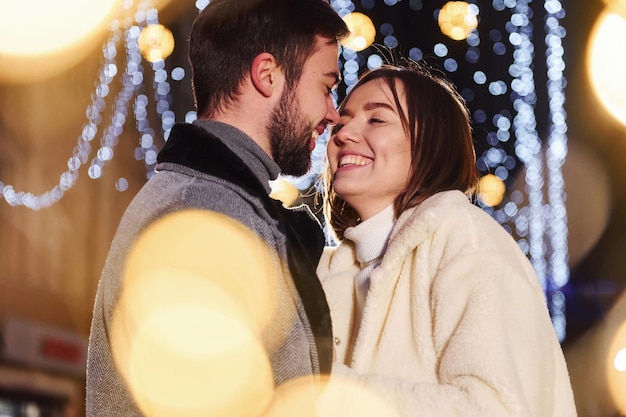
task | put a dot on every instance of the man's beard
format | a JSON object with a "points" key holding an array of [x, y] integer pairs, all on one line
{"points": [[290, 136]]}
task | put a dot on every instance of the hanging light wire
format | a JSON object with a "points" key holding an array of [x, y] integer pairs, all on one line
{"points": [[127, 30]]}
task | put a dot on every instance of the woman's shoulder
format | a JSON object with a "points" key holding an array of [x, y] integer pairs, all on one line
{"points": [[448, 217], [336, 259]]}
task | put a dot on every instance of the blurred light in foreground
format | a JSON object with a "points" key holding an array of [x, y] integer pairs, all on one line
{"points": [[362, 31], [616, 369], [156, 42], [457, 19], [197, 295], [41, 38], [285, 191], [336, 397], [491, 190], [606, 63], [620, 360]]}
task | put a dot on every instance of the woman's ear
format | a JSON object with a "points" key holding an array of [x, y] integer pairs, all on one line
{"points": [[266, 74]]}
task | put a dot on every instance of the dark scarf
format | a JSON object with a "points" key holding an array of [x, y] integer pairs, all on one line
{"points": [[196, 148]]}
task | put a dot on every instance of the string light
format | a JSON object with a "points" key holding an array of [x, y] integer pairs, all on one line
{"points": [[555, 155], [132, 80], [540, 226], [528, 143]]}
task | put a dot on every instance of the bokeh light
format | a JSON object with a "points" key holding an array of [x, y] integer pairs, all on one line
{"points": [[156, 42], [285, 191], [330, 397], [457, 19], [188, 326], [362, 31], [491, 190], [616, 369], [606, 64], [41, 38]]}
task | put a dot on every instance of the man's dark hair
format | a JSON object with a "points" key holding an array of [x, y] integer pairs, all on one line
{"points": [[228, 34]]}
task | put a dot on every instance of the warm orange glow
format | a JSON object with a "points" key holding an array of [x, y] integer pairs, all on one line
{"points": [[41, 38], [457, 20], [156, 43], [606, 64], [334, 397], [284, 191], [362, 31], [491, 190], [187, 335], [616, 369]]}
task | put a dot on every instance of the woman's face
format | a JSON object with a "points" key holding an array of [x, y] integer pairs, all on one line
{"points": [[369, 151]]}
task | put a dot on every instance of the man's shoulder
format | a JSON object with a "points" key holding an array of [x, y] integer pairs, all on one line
{"points": [[184, 187]]}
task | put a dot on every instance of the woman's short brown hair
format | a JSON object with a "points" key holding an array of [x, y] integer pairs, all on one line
{"points": [[437, 121]]}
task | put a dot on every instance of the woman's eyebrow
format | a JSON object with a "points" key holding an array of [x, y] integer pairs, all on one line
{"points": [[370, 105]]}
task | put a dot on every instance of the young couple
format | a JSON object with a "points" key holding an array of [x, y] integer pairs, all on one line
{"points": [[433, 305]]}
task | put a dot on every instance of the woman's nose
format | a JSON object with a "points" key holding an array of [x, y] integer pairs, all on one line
{"points": [[345, 133]]}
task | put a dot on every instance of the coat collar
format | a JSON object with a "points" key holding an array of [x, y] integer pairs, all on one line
{"points": [[196, 148]]}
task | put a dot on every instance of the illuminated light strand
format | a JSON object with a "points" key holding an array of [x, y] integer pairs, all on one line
{"points": [[132, 80], [111, 134], [350, 64], [147, 149], [82, 150], [555, 154], [529, 221], [528, 143]]}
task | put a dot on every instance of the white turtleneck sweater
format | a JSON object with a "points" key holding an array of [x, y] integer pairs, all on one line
{"points": [[370, 240]]}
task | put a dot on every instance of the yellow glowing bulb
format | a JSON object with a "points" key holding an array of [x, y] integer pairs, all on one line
{"points": [[156, 42], [457, 20], [491, 190], [284, 191], [41, 38], [615, 367], [607, 65], [362, 31], [41, 26]]}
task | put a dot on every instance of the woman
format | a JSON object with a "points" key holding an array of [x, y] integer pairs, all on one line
{"points": [[434, 305]]}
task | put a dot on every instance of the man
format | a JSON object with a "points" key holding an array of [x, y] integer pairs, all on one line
{"points": [[263, 73]]}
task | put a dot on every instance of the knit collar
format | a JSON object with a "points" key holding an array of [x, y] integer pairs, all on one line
{"points": [[207, 146], [371, 236]]}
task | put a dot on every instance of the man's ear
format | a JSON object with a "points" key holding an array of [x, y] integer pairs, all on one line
{"points": [[265, 73]]}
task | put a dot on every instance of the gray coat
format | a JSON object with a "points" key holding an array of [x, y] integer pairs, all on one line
{"points": [[213, 166]]}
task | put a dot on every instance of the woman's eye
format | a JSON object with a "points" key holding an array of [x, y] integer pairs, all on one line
{"points": [[336, 128], [375, 120]]}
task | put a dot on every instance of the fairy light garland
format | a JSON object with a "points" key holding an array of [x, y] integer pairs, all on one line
{"points": [[541, 227], [528, 143], [555, 155], [128, 30]]}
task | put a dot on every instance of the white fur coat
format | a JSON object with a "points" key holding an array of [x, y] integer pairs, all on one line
{"points": [[455, 322]]}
